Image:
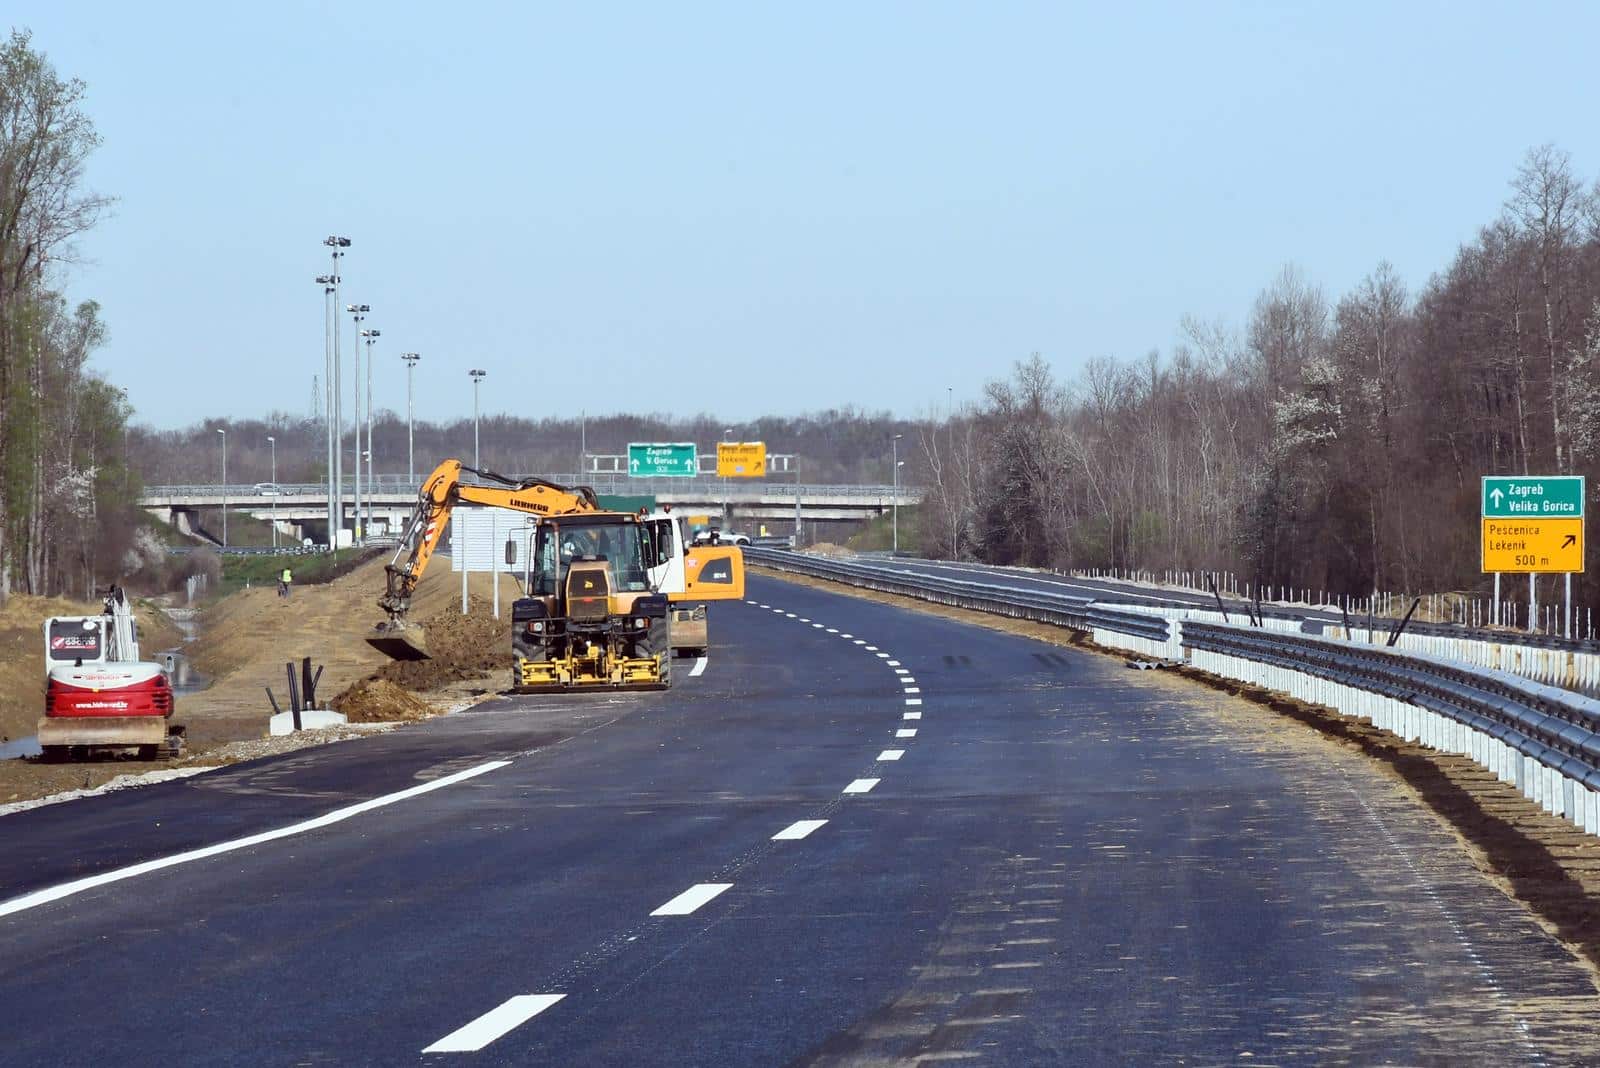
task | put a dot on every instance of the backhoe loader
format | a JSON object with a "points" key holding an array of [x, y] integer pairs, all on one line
{"points": [[602, 588]]}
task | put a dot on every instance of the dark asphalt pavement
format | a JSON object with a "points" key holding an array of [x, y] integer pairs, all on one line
{"points": [[1068, 862]]}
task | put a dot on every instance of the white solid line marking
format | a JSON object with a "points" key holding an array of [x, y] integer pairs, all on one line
{"points": [[913, 700], [494, 1023], [699, 666], [797, 830], [913, 689], [861, 786], [338, 815], [891, 754], [691, 899], [894, 663], [906, 732], [912, 715]]}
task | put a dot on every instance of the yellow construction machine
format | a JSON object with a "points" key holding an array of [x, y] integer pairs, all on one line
{"points": [[601, 589]]}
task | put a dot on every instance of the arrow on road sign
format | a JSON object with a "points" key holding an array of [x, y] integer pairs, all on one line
{"points": [[633, 468], [1571, 539], [1497, 495]]}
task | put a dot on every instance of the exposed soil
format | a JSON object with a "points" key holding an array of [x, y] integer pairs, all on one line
{"points": [[380, 701], [1540, 860], [460, 648], [245, 641]]}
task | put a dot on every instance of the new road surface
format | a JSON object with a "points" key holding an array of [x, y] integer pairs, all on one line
{"points": [[854, 835]]}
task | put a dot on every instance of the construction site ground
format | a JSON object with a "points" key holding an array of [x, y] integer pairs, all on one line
{"points": [[243, 643]]}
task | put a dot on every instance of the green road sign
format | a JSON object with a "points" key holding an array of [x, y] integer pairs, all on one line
{"points": [[1533, 497], [676, 459]]}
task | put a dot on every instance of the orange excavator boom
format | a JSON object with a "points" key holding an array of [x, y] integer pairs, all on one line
{"points": [[440, 493]]}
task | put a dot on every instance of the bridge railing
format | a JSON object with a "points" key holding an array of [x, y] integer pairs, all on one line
{"points": [[710, 489], [1543, 739]]}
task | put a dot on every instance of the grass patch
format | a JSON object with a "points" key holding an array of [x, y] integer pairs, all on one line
{"points": [[239, 572]]}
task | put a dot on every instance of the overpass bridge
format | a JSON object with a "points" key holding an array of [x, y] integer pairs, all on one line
{"points": [[301, 509]]}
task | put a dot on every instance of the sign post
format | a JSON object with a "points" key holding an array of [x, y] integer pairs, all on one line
{"points": [[676, 459], [1533, 525]]}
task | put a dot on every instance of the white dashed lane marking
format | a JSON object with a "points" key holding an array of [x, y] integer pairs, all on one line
{"points": [[861, 786], [912, 715], [913, 700], [797, 830], [699, 666], [894, 663], [691, 899], [891, 754], [906, 732], [913, 689], [496, 1022]]}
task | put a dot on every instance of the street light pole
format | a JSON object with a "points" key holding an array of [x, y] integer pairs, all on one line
{"points": [[336, 505], [411, 359], [727, 527], [330, 326], [358, 312], [272, 441], [372, 339], [894, 507], [478, 375], [224, 434]]}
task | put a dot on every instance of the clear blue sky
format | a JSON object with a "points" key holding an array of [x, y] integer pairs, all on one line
{"points": [[751, 208]]}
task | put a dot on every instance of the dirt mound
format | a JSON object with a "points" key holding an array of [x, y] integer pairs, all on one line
{"points": [[459, 647], [828, 548], [379, 701]]}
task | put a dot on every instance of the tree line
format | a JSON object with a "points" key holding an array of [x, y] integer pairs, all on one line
{"points": [[1334, 444], [65, 489]]}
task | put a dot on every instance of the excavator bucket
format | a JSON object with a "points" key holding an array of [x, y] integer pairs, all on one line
{"points": [[398, 642]]}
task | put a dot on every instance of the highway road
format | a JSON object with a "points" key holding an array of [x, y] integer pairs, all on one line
{"points": [[859, 835]]}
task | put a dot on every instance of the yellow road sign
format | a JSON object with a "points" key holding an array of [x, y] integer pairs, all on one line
{"points": [[741, 459], [1533, 545]]}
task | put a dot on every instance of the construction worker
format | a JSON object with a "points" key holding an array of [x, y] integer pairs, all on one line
{"points": [[283, 583]]}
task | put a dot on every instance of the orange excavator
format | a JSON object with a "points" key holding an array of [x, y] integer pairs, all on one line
{"points": [[601, 589]]}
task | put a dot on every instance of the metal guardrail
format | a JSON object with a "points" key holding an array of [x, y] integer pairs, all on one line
{"points": [[1481, 712], [1557, 728], [1016, 602]]}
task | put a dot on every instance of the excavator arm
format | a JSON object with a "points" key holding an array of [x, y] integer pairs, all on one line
{"points": [[440, 494]]}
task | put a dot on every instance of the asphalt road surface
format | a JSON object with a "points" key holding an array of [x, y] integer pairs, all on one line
{"points": [[859, 835]]}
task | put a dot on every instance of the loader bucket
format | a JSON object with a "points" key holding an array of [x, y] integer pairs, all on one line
{"points": [[399, 643]]}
